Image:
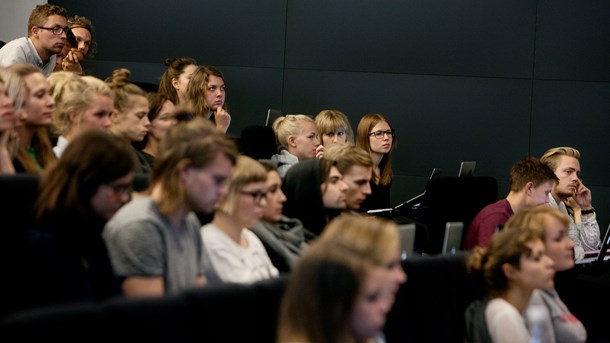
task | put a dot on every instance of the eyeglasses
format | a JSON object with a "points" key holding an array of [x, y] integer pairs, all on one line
{"points": [[57, 30], [379, 134], [257, 195]]}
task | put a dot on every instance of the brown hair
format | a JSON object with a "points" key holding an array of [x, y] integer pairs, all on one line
{"points": [[94, 158], [366, 124], [347, 155], [78, 22], [41, 13], [196, 88], [175, 68], [530, 169], [197, 141]]}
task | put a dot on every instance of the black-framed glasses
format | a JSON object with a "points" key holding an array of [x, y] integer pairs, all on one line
{"points": [[257, 195], [379, 134], [57, 30]]}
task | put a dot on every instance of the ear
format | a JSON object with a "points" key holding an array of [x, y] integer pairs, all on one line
{"points": [[292, 141], [72, 116], [115, 116], [509, 271], [529, 186], [175, 83], [183, 168], [34, 31]]}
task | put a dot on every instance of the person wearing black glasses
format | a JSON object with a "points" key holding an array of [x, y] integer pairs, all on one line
{"points": [[47, 28], [231, 251], [376, 135]]}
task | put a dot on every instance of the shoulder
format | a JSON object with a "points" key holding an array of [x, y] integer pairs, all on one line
{"points": [[139, 215]]}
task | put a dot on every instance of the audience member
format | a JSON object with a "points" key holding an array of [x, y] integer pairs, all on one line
{"points": [[12, 90], [297, 140], [571, 196], [232, 252], [47, 29], [284, 238], [78, 194], [531, 182], [333, 295], [176, 77], [81, 104], [161, 117], [315, 193], [35, 152], [356, 166], [69, 58], [373, 238], [205, 94], [560, 325], [513, 265], [130, 115], [155, 241], [82, 28], [376, 135], [333, 127]]}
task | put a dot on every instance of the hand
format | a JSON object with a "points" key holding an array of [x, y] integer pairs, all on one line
{"points": [[222, 119], [71, 62], [582, 196], [320, 151]]}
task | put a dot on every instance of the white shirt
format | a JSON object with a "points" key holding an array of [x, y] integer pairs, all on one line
{"points": [[22, 50], [505, 323]]}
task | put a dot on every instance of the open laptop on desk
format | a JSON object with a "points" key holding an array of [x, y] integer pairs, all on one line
{"points": [[272, 115], [409, 203], [602, 254], [467, 168]]}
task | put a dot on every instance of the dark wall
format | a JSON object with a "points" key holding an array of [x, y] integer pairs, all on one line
{"points": [[490, 81]]}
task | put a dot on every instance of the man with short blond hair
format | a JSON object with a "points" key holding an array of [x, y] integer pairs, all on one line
{"points": [[46, 38], [356, 166], [574, 199]]}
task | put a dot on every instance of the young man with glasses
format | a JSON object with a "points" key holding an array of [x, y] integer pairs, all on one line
{"points": [[47, 29]]}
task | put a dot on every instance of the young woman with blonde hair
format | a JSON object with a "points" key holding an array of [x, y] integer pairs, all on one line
{"points": [[297, 140]]}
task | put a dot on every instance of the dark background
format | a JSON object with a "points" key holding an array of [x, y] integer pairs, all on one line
{"points": [[491, 81]]}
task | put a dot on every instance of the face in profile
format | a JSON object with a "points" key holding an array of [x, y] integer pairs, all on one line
{"points": [[333, 190], [7, 114], [205, 185], [395, 274], [111, 196], [272, 212], [536, 270], [39, 103], [559, 246], [304, 145], [251, 201], [357, 178], [163, 121], [372, 305], [133, 122], [97, 114], [182, 82]]}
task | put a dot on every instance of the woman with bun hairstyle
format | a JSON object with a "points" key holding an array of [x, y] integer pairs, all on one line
{"points": [[176, 77]]}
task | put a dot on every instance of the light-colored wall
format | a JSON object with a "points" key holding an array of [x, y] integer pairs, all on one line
{"points": [[14, 16]]}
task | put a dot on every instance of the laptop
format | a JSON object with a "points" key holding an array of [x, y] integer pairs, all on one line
{"points": [[599, 255], [467, 168], [435, 172], [272, 115], [407, 241], [452, 242]]}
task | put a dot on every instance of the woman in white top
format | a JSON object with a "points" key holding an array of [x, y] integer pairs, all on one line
{"points": [[231, 252], [81, 104], [513, 265]]}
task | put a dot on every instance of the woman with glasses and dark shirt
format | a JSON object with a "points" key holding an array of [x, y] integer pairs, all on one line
{"points": [[65, 251], [231, 252], [376, 135]]}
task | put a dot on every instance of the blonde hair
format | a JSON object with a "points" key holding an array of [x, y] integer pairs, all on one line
{"points": [[347, 155], [551, 156], [328, 121], [247, 170], [366, 236], [288, 125]]}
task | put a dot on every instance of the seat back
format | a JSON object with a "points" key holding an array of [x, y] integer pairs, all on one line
{"points": [[455, 199]]}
